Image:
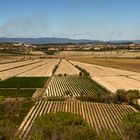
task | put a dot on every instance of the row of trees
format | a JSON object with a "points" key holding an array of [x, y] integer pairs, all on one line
{"points": [[55, 68], [83, 71]]}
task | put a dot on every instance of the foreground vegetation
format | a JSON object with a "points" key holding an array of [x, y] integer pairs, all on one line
{"points": [[12, 114], [65, 126], [99, 116], [69, 126], [131, 126]]}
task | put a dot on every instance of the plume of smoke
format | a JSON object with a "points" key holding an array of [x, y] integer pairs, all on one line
{"points": [[33, 26]]}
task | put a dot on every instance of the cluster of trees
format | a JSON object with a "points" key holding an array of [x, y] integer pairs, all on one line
{"points": [[56, 67], [54, 70], [131, 126], [66, 126], [62, 74], [83, 71], [12, 114], [56, 98], [121, 96]]}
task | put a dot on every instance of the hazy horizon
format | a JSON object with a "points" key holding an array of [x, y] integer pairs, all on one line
{"points": [[76, 19]]}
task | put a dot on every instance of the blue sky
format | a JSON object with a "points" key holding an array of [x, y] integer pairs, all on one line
{"points": [[88, 19]]}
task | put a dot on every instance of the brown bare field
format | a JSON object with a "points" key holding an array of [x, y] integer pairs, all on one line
{"points": [[119, 63], [109, 54], [112, 78]]}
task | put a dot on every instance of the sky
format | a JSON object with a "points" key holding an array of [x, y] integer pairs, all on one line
{"points": [[76, 19]]}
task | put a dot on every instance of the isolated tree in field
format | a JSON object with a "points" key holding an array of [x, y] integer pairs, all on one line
{"points": [[68, 93], [80, 74]]}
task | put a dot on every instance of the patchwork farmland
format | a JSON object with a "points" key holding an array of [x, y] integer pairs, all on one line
{"points": [[60, 78], [98, 115], [112, 78]]}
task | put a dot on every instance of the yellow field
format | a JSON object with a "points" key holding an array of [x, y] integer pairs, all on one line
{"points": [[120, 63]]}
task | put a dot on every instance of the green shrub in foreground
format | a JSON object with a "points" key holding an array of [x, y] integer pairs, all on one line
{"points": [[61, 126]]}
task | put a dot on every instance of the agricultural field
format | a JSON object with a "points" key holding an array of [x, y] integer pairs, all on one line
{"points": [[21, 86], [13, 65], [14, 93], [44, 70], [24, 82], [73, 86], [112, 78], [19, 69], [100, 54], [66, 68], [99, 116], [131, 64], [118, 82]]}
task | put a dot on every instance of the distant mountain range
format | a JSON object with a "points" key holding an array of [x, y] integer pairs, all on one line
{"points": [[61, 40]]}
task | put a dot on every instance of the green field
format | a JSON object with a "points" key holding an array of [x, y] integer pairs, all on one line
{"points": [[24, 82], [21, 86], [17, 92]]}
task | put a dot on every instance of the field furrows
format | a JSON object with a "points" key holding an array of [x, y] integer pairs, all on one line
{"points": [[113, 83], [112, 78], [25, 69], [73, 86], [8, 66], [96, 70], [44, 70], [20, 70], [98, 115], [66, 68]]}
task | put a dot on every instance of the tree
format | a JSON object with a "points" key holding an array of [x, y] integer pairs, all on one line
{"points": [[107, 135], [131, 126], [62, 126], [80, 74], [120, 96]]}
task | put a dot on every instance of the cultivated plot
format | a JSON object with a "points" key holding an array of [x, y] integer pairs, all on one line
{"points": [[66, 68], [21, 86], [44, 70], [118, 82], [99, 116], [17, 64], [30, 69], [112, 78], [73, 86]]}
